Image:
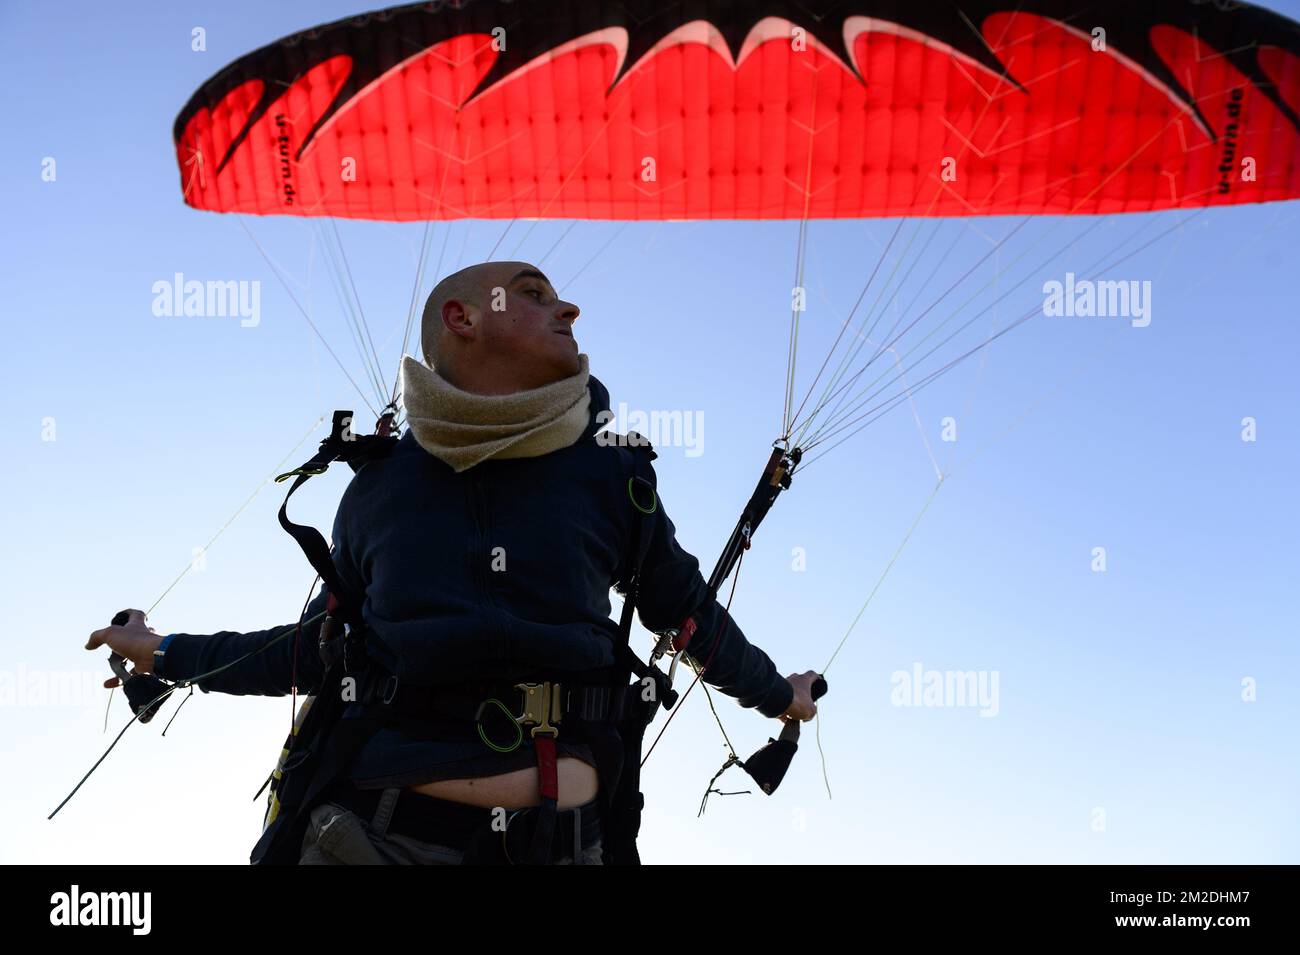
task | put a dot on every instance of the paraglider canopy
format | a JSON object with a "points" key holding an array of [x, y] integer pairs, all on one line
{"points": [[728, 109]]}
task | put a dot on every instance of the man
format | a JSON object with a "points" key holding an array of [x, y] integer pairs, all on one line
{"points": [[485, 546]]}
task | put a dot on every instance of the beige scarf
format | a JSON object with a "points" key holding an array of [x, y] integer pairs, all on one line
{"points": [[464, 429]]}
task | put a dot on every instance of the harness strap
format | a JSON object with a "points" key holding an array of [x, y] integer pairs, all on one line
{"points": [[591, 703], [341, 445], [317, 551], [539, 850], [620, 770], [645, 501]]}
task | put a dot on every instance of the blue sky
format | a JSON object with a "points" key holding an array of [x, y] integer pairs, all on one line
{"points": [[1120, 732]]}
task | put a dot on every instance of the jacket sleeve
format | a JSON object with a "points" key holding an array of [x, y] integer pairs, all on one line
{"points": [[673, 589], [255, 663]]}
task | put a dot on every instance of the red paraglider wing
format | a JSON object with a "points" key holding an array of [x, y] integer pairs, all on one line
{"points": [[757, 110]]}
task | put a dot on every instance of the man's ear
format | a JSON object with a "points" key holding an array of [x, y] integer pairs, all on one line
{"points": [[457, 319]]}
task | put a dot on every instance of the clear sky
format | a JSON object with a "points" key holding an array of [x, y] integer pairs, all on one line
{"points": [[1141, 713]]}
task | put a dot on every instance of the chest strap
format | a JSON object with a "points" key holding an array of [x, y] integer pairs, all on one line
{"points": [[498, 713]]}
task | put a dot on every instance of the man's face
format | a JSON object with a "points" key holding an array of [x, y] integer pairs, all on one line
{"points": [[526, 324]]}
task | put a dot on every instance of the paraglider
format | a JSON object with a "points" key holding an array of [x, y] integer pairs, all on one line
{"points": [[730, 110]]}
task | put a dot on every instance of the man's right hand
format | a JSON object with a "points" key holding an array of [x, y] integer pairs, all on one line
{"points": [[135, 640], [802, 707]]}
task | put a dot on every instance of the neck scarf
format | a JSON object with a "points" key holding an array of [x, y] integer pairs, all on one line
{"points": [[464, 429]]}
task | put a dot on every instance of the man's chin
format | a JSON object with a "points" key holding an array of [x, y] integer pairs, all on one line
{"points": [[557, 368], [571, 363]]}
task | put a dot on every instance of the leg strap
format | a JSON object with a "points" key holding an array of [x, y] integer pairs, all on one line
{"points": [[539, 851]]}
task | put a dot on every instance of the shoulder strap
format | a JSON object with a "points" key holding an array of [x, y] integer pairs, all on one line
{"points": [[644, 501], [356, 450], [621, 771]]}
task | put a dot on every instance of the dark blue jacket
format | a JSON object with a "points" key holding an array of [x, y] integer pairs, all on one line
{"points": [[501, 571]]}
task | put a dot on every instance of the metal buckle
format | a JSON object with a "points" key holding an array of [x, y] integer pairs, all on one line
{"points": [[541, 706]]}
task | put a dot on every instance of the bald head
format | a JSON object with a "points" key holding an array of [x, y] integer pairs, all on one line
{"points": [[498, 325], [469, 286]]}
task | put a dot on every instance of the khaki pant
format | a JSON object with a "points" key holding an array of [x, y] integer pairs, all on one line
{"points": [[338, 836]]}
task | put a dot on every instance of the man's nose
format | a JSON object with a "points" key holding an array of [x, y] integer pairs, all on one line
{"points": [[568, 312]]}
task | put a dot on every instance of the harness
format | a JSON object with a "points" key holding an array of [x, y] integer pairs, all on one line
{"points": [[324, 742]]}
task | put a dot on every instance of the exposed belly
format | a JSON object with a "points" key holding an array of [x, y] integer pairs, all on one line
{"points": [[514, 790]]}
